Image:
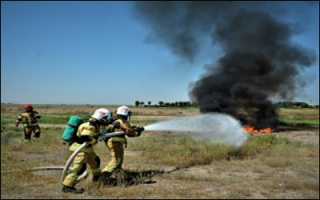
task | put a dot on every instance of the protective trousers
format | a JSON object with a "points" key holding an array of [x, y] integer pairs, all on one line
{"points": [[28, 131], [79, 166], [117, 153]]}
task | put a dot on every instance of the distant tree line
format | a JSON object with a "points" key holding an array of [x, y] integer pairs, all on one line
{"points": [[164, 104], [290, 104], [280, 104]]}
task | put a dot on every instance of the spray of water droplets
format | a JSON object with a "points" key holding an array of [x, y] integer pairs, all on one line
{"points": [[214, 126]]}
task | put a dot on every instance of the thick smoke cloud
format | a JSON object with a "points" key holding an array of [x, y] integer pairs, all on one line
{"points": [[259, 60]]}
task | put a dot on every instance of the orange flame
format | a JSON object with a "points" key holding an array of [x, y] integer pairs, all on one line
{"points": [[252, 129]]}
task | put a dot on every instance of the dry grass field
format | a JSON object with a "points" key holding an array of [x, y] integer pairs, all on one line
{"points": [[167, 165]]}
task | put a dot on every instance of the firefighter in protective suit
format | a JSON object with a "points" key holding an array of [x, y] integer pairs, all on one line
{"points": [[87, 132], [116, 144], [29, 119]]}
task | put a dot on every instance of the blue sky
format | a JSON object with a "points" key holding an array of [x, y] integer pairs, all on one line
{"points": [[56, 52]]}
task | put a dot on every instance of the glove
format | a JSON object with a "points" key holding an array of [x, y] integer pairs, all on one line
{"points": [[103, 132], [17, 124], [38, 117], [138, 130], [116, 124]]}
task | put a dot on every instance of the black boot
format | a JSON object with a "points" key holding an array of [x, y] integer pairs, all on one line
{"points": [[27, 138], [67, 189], [96, 178], [36, 135]]}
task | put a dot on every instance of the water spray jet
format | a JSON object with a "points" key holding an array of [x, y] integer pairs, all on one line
{"points": [[215, 126]]}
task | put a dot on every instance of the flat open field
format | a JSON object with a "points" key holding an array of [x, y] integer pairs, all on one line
{"points": [[280, 165]]}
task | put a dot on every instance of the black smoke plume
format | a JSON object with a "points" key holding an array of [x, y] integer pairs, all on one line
{"points": [[259, 60]]}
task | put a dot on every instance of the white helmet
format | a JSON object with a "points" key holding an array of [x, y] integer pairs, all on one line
{"points": [[103, 115], [123, 110]]}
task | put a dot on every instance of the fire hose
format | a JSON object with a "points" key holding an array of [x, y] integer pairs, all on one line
{"points": [[74, 154]]}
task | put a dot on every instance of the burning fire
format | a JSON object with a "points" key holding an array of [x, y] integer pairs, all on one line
{"points": [[252, 129]]}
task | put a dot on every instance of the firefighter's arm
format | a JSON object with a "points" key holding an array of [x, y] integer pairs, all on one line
{"points": [[104, 129], [127, 129], [18, 120], [131, 131], [114, 125], [88, 134], [25, 118]]}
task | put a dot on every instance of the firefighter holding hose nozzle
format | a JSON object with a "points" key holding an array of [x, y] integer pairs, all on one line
{"points": [[29, 119], [116, 144]]}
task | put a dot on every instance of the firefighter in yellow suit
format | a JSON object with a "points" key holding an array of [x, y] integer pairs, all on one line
{"points": [[116, 144], [87, 132], [29, 120]]}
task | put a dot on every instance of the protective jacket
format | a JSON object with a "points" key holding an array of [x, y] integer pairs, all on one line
{"points": [[28, 119], [87, 132]]}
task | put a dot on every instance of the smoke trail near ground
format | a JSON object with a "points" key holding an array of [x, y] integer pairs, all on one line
{"points": [[259, 60], [214, 126]]}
